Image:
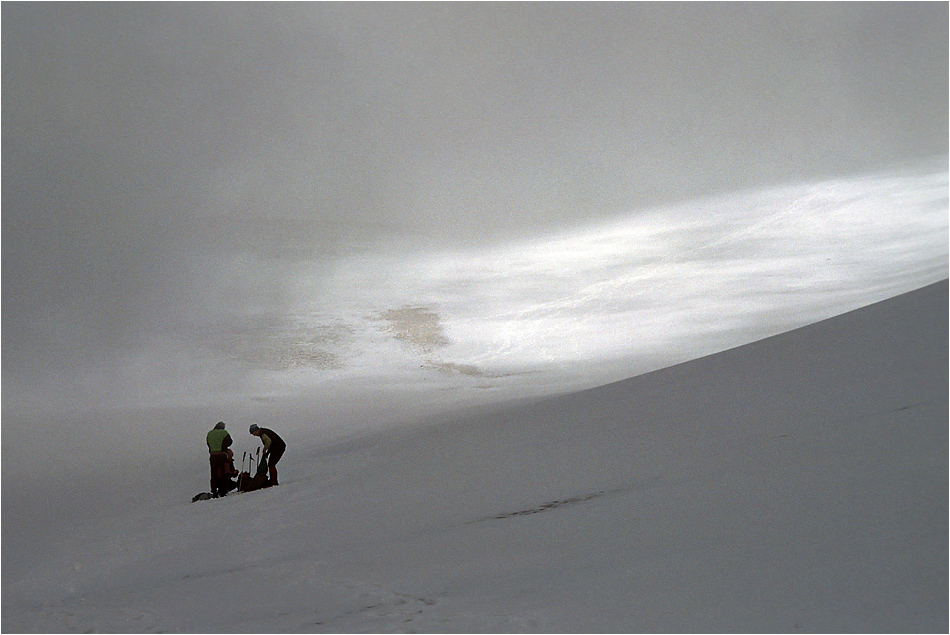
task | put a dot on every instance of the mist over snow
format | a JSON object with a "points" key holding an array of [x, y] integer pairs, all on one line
{"points": [[183, 186], [557, 312], [346, 221]]}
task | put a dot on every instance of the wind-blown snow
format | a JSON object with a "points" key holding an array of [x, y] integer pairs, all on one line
{"points": [[797, 483], [659, 287], [401, 323]]}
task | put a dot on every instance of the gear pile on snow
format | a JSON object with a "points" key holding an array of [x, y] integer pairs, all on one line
{"points": [[245, 482]]}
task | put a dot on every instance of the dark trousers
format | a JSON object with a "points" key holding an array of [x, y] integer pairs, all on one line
{"points": [[272, 465], [221, 481]]}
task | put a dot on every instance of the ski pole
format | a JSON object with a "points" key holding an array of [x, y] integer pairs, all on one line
{"points": [[243, 456]]}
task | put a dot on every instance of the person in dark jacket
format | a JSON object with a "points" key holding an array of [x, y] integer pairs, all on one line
{"points": [[218, 442], [274, 448]]}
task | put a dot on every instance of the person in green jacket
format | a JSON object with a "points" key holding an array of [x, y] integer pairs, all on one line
{"points": [[218, 442]]}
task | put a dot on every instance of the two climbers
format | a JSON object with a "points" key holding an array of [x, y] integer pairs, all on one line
{"points": [[222, 460]]}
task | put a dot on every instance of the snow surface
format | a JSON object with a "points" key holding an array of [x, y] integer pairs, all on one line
{"points": [[798, 483]]}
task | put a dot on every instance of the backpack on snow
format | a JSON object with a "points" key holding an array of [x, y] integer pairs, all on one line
{"points": [[248, 483]]}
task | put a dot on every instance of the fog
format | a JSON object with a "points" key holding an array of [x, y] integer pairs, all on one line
{"points": [[180, 182]]}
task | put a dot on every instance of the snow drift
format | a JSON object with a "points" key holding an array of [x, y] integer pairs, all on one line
{"points": [[797, 483]]}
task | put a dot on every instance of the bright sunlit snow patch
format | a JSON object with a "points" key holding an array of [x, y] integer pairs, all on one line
{"points": [[661, 286], [397, 327]]}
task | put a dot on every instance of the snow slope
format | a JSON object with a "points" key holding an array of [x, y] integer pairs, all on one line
{"points": [[795, 484]]}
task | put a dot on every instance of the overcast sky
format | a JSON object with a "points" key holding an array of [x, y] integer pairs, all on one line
{"points": [[172, 162]]}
